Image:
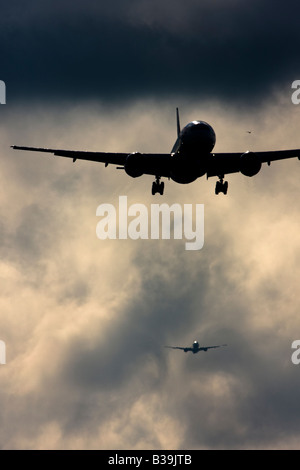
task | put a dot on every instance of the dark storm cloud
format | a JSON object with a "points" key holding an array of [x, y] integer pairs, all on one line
{"points": [[121, 50]]}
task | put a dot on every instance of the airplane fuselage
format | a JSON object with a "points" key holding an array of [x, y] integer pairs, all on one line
{"points": [[191, 152], [195, 347]]}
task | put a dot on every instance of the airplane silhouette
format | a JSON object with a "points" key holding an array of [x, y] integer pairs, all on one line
{"points": [[190, 158], [196, 348]]}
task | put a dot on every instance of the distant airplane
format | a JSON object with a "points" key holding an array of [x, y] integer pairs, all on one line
{"points": [[190, 158], [195, 347]]}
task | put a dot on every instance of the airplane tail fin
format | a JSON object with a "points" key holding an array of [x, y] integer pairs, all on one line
{"points": [[178, 122]]}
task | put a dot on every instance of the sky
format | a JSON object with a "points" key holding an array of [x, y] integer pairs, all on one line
{"points": [[85, 320]]}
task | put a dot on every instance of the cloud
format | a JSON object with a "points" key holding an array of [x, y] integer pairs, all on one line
{"points": [[85, 321], [238, 52]]}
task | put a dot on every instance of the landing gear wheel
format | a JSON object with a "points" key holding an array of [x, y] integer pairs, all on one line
{"points": [[225, 187], [221, 187], [158, 187], [161, 188], [154, 188]]}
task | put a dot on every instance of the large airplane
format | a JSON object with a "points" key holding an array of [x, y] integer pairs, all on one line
{"points": [[196, 348], [190, 158]]}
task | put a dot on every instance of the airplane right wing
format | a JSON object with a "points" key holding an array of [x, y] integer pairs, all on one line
{"points": [[178, 347], [147, 163]]}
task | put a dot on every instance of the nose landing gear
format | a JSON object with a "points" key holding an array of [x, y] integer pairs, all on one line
{"points": [[158, 186]]}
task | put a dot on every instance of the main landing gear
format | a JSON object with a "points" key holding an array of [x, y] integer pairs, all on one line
{"points": [[158, 186], [221, 186]]}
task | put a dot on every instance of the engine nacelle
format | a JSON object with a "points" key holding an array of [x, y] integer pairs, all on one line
{"points": [[250, 164], [134, 165]]}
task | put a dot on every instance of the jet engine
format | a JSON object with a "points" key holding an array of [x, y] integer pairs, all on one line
{"points": [[250, 164], [134, 165]]}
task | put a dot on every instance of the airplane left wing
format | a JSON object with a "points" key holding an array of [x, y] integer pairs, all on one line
{"points": [[211, 347], [274, 155], [150, 164], [247, 162]]}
